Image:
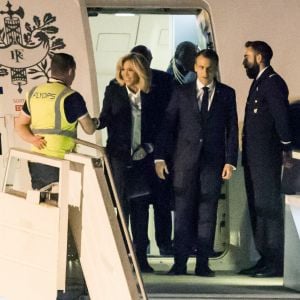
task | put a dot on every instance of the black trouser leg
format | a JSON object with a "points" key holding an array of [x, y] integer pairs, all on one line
{"points": [[118, 168], [207, 203], [162, 214], [250, 197], [139, 217], [185, 219], [42, 175], [269, 233]]}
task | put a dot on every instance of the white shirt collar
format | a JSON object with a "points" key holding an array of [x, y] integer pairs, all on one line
{"points": [[135, 98], [200, 85], [55, 80], [211, 91], [259, 74]]}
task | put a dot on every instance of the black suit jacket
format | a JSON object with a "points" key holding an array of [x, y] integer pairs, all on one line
{"points": [[160, 93], [266, 121], [216, 145], [116, 116]]}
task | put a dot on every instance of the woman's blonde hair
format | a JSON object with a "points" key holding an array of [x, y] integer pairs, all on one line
{"points": [[140, 67]]}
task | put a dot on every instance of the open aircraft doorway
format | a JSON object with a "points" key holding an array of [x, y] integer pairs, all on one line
{"points": [[116, 32]]}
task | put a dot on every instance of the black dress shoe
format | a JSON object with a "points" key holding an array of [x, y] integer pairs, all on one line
{"points": [[176, 270], [268, 272], [250, 271], [254, 269], [146, 268], [204, 271]]}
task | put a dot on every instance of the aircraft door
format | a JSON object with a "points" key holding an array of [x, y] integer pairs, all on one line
{"points": [[114, 35]]}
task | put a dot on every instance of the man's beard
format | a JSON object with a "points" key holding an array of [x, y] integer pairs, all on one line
{"points": [[252, 71]]}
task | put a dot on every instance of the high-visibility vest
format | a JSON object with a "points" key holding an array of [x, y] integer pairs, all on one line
{"points": [[46, 106]]}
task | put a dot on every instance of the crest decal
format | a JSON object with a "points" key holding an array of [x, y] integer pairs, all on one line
{"points": [[27, 53]]}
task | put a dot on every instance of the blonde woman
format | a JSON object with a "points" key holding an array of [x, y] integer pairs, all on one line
{"points": [[128, 113]]}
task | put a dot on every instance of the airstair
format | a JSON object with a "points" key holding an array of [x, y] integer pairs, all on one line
{"points": [[34, 234], [34, 241]]}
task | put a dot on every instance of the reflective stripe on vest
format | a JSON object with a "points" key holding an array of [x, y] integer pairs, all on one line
{"points": [[57, 125], [48, 119]]}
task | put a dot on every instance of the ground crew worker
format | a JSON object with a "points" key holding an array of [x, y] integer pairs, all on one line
{"points": [[50, 116]]}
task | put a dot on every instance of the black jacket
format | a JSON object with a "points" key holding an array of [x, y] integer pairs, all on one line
{"points": [[266, 122], [116, 117]]}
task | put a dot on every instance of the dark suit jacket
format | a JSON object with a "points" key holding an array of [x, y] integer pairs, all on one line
{"points": [[161, 91], [216, 145], [161, 85], [116, 116], [266, 120]]}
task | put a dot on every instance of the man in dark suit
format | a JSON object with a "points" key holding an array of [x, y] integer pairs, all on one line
{"points": [[162, 198], [266, 137], [203, 116]]}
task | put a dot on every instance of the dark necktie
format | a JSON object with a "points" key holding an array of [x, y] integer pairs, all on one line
{"points": [[204, 104]]}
